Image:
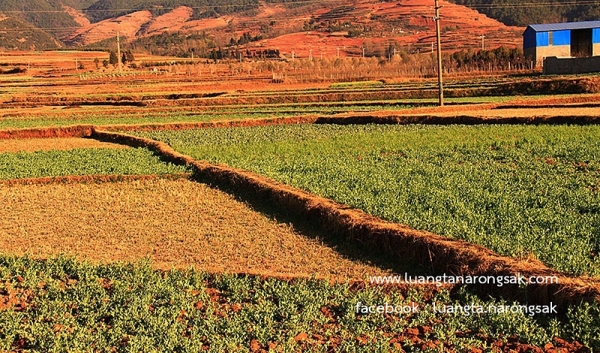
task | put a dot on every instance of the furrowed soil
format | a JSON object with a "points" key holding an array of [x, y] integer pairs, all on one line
{"points": [[175, 223], [62, 144]]}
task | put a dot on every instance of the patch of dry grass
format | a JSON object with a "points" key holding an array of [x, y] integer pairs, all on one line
{"points": [[50, 144], [176, 223]]}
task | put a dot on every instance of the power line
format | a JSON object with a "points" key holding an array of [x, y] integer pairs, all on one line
{"points": [[523, 5], [254, 6], [203, 7]]}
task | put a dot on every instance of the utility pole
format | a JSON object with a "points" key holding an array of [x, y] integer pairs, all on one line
{"points": [[310, 55], [439, 52], [338, 52], [363, 48], [119, 52], [482, 41]]}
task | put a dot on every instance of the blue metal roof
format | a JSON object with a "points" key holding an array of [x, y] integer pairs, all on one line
{"points": [[565, 26]]}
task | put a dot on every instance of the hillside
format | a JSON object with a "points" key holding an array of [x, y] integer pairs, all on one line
{"points": [[43, 14], [105, 9], [518, 13], [19, 35], [287, 27]]}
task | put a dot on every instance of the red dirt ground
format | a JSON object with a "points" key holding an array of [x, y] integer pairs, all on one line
{"points": [[463, 28], [407, 22]]}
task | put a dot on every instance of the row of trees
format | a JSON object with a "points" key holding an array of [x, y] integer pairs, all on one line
{"points": [[501, 58], [127, 58], [518, 13], [246, 38]]}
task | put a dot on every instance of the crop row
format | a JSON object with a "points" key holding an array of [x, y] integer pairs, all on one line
{"points": [[130, 161], [129, 115], [61, 304], [522, 191]]}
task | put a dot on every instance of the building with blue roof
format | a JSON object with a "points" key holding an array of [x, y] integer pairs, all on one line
{"points": [[562, 40]]}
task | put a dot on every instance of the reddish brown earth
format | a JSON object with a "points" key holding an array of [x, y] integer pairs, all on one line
{"points": [[77, 16], [127, 26], [407, 22], [172, 21], [398, 21]]}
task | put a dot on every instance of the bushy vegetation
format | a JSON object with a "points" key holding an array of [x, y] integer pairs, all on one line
{"points": [[499, 58], [40, 13], [175, 44], [516, 13], [518, 190], [19, 35], [82, 162], [65, 305], [104, 9]]}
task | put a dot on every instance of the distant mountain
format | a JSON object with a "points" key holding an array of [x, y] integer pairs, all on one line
{"points": [[520, 13], [104, 9], [19, 35], [45, 14], [296, 27]]}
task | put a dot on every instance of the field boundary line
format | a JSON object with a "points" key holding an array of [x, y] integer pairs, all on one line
{"points": [[386, 118], [441, 254], [301, 119], [48, 132], [96, 178], [399, 117]]}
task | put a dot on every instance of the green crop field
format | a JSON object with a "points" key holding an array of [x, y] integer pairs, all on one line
{"points": [[61, 304], [518, 190], [82, 161], [122, 119]]}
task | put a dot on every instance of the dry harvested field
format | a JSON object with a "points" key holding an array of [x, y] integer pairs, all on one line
{"points": [[175, 223], [49, 144]]}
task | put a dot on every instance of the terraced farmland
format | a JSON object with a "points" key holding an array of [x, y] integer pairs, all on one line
{"points": [[504, 187], [231, 271]]}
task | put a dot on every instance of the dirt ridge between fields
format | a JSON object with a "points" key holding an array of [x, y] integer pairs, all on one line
{"points": [[47, 132], [421, 116], [444, 255]]}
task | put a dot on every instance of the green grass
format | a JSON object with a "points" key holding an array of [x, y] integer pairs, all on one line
{"points": [[357, 84], [131, 161], [105, 120], [226, 112], [518, 190], [64, 305]]}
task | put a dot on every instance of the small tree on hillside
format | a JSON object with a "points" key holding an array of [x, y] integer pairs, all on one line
{"points": [[113, 59], [127, 57]]}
